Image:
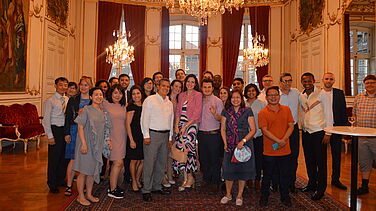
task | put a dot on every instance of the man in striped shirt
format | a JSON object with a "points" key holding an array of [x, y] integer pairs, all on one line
{"points": [[364, 111]]}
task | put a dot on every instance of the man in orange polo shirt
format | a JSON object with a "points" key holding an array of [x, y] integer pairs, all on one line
{"points": [[277, 124]]}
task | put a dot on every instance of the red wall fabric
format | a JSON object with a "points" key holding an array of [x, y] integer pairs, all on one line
{"points": [[108, 20], [262, 28], [347, 55], [203, 49], [135, 24], [165, 43], [231, 31]]}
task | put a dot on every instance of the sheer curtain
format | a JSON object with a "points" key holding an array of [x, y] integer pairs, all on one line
{"points": [[231, 31], [108, 20]]}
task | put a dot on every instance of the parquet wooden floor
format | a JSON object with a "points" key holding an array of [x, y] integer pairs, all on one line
{"points": [[23, 181]]}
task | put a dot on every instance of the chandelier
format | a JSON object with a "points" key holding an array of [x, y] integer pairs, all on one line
{"points": [[256, 55], [204, 9], [120, 52]]}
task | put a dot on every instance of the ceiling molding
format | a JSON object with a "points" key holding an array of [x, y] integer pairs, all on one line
{"points": [[247, 3], [361, 6]]}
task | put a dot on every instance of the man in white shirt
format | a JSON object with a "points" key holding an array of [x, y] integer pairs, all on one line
{"points": [[53, 124], [315, 109], [291, 97], [338, 117], [267, 81], [157, 127]]}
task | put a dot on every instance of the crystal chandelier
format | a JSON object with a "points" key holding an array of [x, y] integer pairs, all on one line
{"points": [[204, 9], [256, 55], [120, 52]]}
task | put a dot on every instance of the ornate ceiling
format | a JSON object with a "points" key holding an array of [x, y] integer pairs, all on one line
{"points": [[361, 6], [247, 2]]}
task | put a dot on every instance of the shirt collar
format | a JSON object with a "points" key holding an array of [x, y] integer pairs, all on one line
{"points": [[271, 110], [161, 98], [58, 96]]}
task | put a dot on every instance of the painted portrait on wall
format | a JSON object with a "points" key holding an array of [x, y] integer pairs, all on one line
{"points": [[13, 42]]}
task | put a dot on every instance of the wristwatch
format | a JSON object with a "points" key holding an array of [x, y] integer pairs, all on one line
{"points": [[244, 140]]}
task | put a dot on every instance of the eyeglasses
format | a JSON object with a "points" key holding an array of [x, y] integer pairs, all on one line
{"points": [[370, 82], [272, 95], [286, 81], [268, 81]]}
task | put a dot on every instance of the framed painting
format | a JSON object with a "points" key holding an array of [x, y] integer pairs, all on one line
{"points": [[13, 41], [310, 14]]}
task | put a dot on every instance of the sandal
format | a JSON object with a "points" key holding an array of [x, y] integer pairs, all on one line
{"points": [[68, 191]]}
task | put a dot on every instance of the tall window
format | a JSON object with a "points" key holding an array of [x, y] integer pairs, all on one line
{"points": [[184, 48], [125, 69], [360, 55], [247, 72]]}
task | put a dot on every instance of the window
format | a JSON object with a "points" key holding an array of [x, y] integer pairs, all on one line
{"points": [[244, 71], [184, 48], [360, 44], [125, 69]]}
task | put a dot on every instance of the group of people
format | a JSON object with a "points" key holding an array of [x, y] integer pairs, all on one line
{"points": [[110, 128]]}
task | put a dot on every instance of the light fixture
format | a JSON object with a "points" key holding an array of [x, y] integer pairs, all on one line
{"points": [[256, 55], [120, 52], [204, 9]]}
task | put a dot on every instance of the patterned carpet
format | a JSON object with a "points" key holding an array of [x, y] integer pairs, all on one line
{"points": [[199, 199]]}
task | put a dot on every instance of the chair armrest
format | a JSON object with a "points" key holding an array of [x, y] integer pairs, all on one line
{"points": [[8, 125]]}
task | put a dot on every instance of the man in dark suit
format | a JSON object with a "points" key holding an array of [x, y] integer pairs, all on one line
{"points": [[339, 118]]}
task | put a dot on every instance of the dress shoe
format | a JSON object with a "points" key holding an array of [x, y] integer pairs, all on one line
{"points": [[307, 189], [263, 201], [274, 188], [161, 192], [147, 197], [317, 195], [339, 185], [286, 202], [54, 190], [362, 190]]}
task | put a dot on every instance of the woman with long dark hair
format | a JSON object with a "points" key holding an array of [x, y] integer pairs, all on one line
{"points": [[147, 86], [188, 115], [115, 106], [135, 137]]}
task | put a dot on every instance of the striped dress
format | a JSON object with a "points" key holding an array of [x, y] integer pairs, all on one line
{"points": [[190, 140]]}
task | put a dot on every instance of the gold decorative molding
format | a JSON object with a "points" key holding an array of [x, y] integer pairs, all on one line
{"points": [[72, 31], [152, 40], [159, 9], [361, 6], [215, 42], [35, 10], [32, 92]]}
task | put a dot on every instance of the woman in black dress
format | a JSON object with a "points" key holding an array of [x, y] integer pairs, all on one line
{"points": [[135, 138]]}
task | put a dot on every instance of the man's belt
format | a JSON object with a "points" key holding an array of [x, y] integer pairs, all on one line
{"points": [[160, 131]]}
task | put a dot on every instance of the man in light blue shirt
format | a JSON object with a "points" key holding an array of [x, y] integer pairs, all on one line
{"points": [[290, 97], [53, 123]]}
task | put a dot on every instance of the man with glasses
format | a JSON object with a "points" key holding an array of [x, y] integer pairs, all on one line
{"points": [[315, 109], [364, 111], [291, 97], [277, 124], [267, 81], [337, 117]]}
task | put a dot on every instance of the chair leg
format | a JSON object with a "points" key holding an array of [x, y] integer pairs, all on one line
{"points": [[25, 146], [38, 142]]}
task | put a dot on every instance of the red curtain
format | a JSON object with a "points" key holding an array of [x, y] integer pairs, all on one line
{"points": [[203, 48], [231, 31], [262, 28], [347, 55], [165, 43], [108, 20], [135, 24]]}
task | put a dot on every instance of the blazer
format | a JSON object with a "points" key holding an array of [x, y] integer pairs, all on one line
{"points": [[71, 113], [339, 108], [194, 106]]}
